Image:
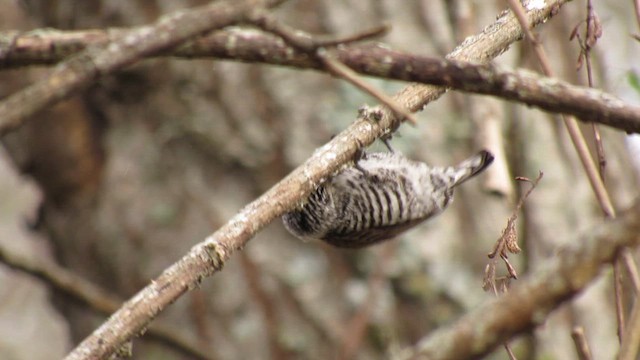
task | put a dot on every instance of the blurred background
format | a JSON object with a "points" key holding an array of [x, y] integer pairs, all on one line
{"points": [[117, 183]]}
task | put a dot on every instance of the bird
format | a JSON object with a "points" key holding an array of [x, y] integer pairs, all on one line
{"points": [[379, 197]]}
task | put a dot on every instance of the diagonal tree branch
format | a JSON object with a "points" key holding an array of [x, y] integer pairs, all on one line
{"points": [[527, 304], [95, 297], [548, 94], [209, 256], [83, 68]]}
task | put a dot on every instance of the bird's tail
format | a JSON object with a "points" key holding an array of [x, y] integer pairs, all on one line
{"points": [[471, 167]]}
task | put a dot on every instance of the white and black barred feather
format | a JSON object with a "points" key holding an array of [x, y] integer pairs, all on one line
{"points": [[381, 197]]}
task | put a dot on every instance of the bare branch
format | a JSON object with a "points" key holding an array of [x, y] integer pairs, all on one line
{"points": [[318, 49], [630, 265], [83, 68], [580, 341], [619, 299], [631, 338], [570, 122], [579, 143], [508, 241], [528, 303], [549, 94], [507, 348], [208, 257], [593, 31], [343, 71], [636, 6]]}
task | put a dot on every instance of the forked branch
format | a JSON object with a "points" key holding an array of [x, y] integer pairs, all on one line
{"points": [[249, 45], [528, 303], [209, 256]]}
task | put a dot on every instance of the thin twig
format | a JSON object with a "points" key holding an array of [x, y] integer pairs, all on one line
{"points": [[593, 31], [507, 348], [597, 137], [507, 243], [552, 95], [367, 34], [339, 69], [579, 143], [318, 49], [570, 122], [636, 7], [627, 257], [619, 299], [209, 256], [581, 344], [304, 41]]}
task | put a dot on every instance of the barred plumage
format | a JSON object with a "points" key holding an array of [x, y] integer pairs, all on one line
{"points": [[381, 197]]}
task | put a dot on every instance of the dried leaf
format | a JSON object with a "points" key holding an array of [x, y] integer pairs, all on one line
{"points": [[511, 238], [594, 30]]}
